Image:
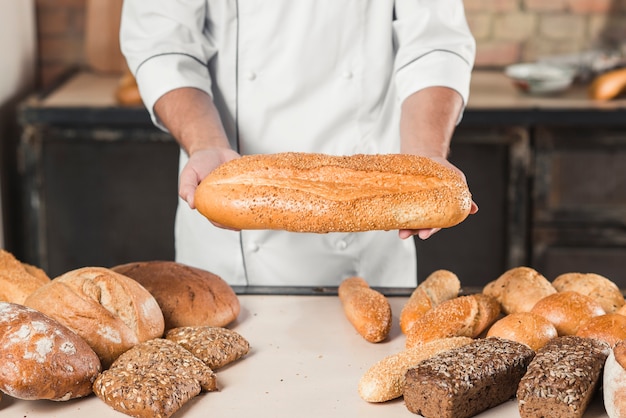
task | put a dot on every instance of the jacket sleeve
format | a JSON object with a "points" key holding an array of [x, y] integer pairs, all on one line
{"points": [[435, 46], [166, 47]]}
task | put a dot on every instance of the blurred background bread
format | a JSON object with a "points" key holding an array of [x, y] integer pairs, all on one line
{"points": [[17, 279]]}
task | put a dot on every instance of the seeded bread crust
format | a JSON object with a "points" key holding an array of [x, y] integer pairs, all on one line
{"points": [[464, 381], [562, 379]]}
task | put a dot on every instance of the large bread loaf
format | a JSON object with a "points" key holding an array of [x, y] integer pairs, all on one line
{"points": [[320, 193]]}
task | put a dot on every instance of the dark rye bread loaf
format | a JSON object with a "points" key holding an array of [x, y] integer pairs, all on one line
{"points": [[464, 381], [562, 379]]}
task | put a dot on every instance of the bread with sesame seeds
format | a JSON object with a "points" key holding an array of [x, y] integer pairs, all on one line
{"points": [[366, 309], [309, 192]]}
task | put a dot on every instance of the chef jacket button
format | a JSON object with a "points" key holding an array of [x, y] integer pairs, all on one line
{"points": [[253, 247], [342, 245], [347, 75], [250, 75]]}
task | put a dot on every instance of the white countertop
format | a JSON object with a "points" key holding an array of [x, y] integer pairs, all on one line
{"points": [[305, 361]]}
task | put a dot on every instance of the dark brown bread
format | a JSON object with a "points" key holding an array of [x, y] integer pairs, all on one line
{"points": [[215, 346], [464, 381], [42, 359], [153, 379], [306, 192], [562, 378]]}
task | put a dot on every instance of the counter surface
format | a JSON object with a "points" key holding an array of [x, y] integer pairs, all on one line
{"points": [[305, 361]]}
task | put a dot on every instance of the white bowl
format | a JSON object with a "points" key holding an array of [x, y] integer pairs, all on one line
{"points": [[540, 78]]}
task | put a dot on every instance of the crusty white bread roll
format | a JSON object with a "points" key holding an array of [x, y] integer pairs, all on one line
{"points": [[567, 311], [439, 286], [188, 296], [518, 289], [366, 309], [598, 287], [153, 379], [463, 316], [305, 192], [610, 328], [215, 346], [17, 279], [524, 327], [385, 379], [110, 311], [614, 382], [42, 359]]}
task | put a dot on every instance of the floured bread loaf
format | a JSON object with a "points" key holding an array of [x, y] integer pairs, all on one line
{"points": [[42, 359], [215, 346], [305, 192], [110, 311], [154, 379], [464, 381], [17, 279]]}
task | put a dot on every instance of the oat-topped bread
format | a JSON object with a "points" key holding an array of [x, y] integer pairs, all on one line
{"points": [[562, 379], [153, 379], [215, 346], [464, 381]]}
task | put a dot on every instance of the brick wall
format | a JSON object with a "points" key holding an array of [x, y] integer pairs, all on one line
{"points": [[506, 31]]}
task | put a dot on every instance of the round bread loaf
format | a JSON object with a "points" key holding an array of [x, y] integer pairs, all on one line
{"points": [[42, 359], [188, 296], [518, 289], [610, 328], [621, 311], [598, 287], [524, 327], [110, 311], [568, 311], [614, 382], [17, 279]]}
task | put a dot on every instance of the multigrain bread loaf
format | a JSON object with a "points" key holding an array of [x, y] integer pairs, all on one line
{"points": [[305, 192], [614, 382], [524, 327], [154, 379], [366, 309], [17, 279], [188, 296], [42, 359], [598, 287], [463, 316], [110, 311], [385, 379], [439, 286], [518, 289], [215, 346], [567, 310], [464, 381], [610, 328], [562, 378]]}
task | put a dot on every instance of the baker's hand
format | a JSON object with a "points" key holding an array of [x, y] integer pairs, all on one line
{"points": [[200, 164], [426, 233]]}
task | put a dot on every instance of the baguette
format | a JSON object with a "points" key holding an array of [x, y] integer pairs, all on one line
{"points": [[614, 382], [366, 309], [304, 192], [439, 286], [385, 379]]}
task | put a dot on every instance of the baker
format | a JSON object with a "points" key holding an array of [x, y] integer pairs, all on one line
{"points": [[228, 78]]}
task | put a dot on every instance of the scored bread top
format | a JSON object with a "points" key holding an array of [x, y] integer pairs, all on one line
{"points": [[308, 192]]}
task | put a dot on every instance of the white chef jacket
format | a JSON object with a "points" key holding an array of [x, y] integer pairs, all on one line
{"points": [[298, 75]]}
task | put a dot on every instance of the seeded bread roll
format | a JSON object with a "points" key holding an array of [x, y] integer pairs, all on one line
{"points": [[215, 346], [188, 296], [518, 289], [17, 279], [439, 286], [385, 379], [524, 327], [42, 359], [610, 328], [153, 379], [464, 381], [562, 378], [304, 192], [598, 287], [110, 311], [366, 309], [614, 382], [568, 311]]}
